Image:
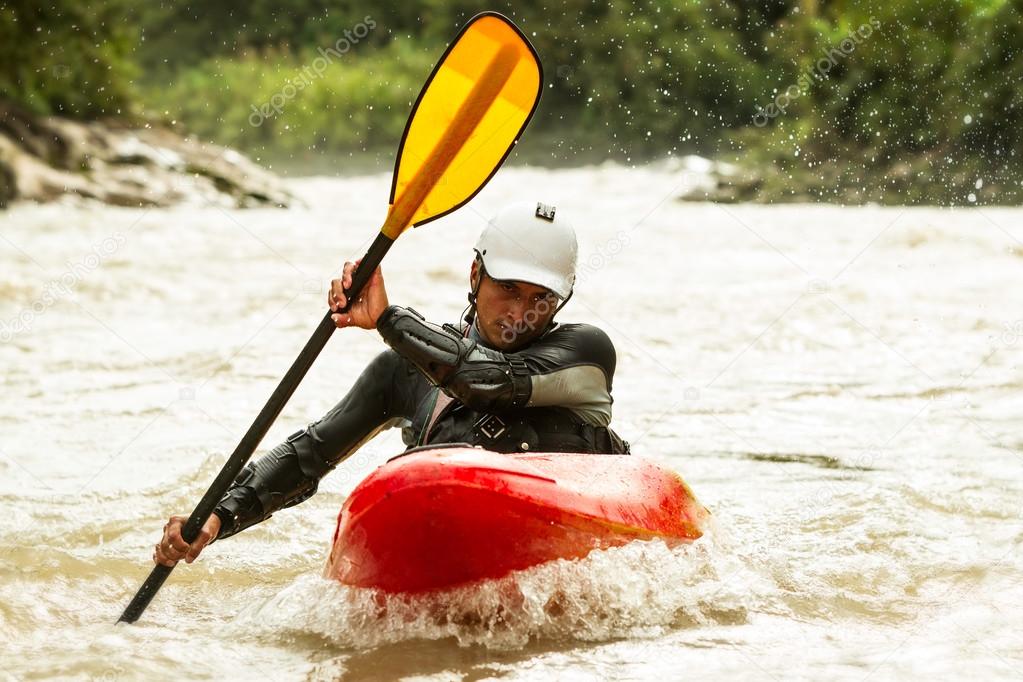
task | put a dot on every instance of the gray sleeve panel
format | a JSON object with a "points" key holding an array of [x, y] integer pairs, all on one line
{"points": [[580, 388], [569, 345]]}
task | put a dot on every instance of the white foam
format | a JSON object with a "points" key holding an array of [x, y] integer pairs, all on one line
{"points": [[619, 592]]}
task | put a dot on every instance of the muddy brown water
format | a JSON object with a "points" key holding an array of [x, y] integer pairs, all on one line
{"points": [[840, 386]]}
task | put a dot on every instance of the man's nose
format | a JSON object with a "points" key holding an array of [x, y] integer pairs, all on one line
{"points": [[517, 310]]}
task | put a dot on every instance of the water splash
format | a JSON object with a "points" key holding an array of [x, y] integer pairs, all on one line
{"points": [[613, 593]]}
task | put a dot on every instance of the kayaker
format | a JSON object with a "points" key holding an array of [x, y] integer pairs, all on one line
{"points": [[507, 378]]}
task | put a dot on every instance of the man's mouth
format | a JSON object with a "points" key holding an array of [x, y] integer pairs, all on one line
{"points": [[507, 332]]}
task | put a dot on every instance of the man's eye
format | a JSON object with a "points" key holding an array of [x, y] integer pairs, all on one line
{"points": [[508, 287]]}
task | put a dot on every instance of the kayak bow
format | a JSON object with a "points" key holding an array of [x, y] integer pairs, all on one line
{"points": [[436, 518]]}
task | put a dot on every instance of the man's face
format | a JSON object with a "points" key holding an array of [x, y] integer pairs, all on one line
{"points": [[510, 314]]}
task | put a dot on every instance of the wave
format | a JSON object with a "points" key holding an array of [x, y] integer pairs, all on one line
{"points": [[614, 593]]}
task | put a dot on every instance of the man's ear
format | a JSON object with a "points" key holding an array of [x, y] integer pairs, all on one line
{"points": [[474, 275]]}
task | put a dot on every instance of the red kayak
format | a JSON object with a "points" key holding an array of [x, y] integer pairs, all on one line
{"points": [[440, 517]]}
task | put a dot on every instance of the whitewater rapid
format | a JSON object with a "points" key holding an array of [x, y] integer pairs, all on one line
{"points": [[841, 387]]}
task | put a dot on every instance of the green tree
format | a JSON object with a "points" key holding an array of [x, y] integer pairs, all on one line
{"points": [[68, 57]]}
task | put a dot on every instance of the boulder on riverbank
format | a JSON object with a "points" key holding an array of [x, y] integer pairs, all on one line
{"points": [[45, 158], [925, 178]]}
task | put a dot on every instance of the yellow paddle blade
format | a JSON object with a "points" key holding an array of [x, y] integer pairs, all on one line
{"points": [[470, 113]]}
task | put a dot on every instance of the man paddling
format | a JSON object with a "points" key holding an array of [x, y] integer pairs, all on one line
{"points": [[507, 378]]}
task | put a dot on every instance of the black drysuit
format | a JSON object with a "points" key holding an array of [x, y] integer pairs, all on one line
{"points": [[442, 384]]}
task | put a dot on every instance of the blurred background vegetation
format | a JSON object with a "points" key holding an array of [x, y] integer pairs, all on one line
{"points": [[927, 109]]}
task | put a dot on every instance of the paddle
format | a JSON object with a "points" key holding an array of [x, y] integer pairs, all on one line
{"points": [[474, 106]]}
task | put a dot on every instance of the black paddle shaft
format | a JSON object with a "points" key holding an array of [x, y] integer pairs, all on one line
{"points": [[250, 441]]}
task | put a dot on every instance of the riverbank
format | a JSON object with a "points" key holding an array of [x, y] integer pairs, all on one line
{"points": [[917, 180], [49, 158], [137, 164]]}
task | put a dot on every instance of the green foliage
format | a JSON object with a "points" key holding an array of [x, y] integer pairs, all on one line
{"points": [[180, 34], [68, 57], [277, 103], [924, 106], [925, 103], [630, 80]]}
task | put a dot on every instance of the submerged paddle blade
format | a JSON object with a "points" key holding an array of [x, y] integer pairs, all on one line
{"points": [[471, 112]]}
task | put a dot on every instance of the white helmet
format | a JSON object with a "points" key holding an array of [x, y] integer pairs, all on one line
{"points": [[527, 243]]}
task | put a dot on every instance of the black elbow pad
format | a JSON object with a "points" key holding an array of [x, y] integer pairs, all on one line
{"points": [[479, 377], [485, 385]]}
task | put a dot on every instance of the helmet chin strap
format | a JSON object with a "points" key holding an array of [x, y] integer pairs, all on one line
{"points": [[558, 309], [469, 314]]}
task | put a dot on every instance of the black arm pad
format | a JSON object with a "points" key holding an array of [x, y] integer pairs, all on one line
{"points": [[290, 473], [285, 476], [482, 378]]}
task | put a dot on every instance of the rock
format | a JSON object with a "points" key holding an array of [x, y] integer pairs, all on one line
{"points": [[727, 184], [6, 185], [43, 158]]}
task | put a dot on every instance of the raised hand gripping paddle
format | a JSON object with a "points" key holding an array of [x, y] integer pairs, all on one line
{"points": [[474, 106]]}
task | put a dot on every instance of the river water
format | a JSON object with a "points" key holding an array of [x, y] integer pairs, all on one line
{"points": [[841, 387]]}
